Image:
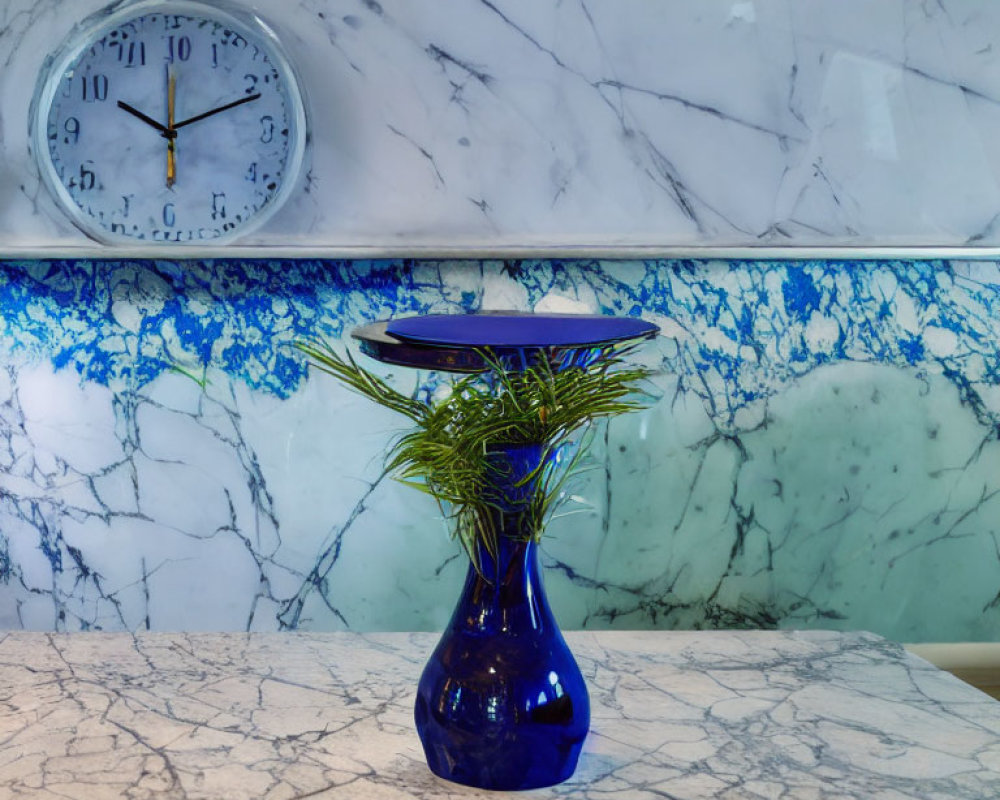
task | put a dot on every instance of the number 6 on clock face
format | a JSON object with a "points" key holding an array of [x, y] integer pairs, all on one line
{"points": [[169, 122]]}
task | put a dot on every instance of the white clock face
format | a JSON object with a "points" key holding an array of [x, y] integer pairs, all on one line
{"points": [[183, 127]]}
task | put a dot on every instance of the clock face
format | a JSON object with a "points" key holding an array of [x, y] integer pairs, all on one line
{"points": [[184, 127]]}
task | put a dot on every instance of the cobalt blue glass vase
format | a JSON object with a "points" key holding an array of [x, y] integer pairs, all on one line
{"points": [[501, 704]]}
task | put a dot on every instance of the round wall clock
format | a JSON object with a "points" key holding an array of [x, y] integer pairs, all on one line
{"points": [[169, 121]]}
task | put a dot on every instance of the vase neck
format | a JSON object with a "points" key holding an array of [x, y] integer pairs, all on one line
{"points": [[504, 593], [513, 476], [512, 560], [503, 589]]}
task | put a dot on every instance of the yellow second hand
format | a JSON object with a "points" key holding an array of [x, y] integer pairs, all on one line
{"points": [[171, 140]]}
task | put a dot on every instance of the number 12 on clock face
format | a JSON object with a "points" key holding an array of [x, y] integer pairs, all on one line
{"points": [[172, 123]]}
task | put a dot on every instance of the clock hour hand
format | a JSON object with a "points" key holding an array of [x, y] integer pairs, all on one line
{"points": [[163, 129], [226, 107]]}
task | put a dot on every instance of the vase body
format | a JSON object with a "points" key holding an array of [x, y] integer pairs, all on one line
{"points": [[502, 704]]}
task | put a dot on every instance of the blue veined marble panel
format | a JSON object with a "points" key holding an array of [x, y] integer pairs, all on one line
{"points": [[822, 451]]}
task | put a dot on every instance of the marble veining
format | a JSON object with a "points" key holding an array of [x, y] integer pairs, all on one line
{"points": [[752, 326], [820, 449], [734, 716], [491, 122]]}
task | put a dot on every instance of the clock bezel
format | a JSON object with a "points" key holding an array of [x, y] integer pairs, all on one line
{"points": [[87, 33]]}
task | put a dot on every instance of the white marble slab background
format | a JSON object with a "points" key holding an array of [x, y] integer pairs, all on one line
{"points": [[492, 123]]}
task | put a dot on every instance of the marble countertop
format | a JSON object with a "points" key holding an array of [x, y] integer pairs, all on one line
{"points": [[675, 715]]}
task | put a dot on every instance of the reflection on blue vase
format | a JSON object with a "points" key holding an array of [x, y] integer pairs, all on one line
{"points": [[501, 703]]}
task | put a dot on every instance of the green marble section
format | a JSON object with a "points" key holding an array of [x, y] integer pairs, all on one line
{"points": [[820, 450], [865, 497]]}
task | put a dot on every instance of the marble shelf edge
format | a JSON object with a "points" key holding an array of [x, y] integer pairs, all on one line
{"points": [[461, 251]]}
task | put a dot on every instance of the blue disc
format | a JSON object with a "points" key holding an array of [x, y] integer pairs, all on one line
{"points": [[511, 329]]}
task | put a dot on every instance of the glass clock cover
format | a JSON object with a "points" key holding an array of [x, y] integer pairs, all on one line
{"points": [[169, 122]]}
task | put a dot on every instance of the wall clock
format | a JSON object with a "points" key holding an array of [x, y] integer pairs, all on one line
{"points": [[169, 122]]}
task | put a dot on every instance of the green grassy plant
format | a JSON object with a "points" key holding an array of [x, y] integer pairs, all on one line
{"points": [[452, 451]]}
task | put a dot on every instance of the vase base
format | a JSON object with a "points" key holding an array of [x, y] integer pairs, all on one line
{"points": [[506, 776], [516, 760]]}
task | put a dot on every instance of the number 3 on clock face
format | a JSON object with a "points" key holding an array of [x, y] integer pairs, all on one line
{"points": [[169, 122]]}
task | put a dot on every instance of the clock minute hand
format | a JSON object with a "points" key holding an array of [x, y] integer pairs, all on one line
{"points": [[218, 110], [163, 129]]}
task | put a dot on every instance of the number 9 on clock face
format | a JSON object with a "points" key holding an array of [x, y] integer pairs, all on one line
{"points": [[169, 123]]}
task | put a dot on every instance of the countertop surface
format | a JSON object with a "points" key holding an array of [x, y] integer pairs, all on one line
{"points": [[794, 715]]}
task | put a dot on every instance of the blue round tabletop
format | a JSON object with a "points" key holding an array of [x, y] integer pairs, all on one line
{"points": [[456, 342], [510, 329]]}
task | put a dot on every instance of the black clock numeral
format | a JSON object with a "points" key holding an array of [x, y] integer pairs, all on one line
{"points": [[215, 56], [252, 83], [233, 39], [267, 129], [126, 202], [169, 217], [72, 128], [94, 88], [252, 173], [132, 54], [87, 179], [178, 48], [218, 205], [135, 55], [171, 22]]}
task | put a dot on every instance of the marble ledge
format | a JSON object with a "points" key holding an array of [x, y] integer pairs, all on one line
{"points": [[678, 715], [514, 248]]}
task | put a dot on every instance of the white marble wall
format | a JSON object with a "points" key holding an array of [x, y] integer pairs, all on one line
{"points": [[494, 123]]}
